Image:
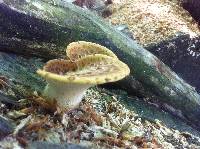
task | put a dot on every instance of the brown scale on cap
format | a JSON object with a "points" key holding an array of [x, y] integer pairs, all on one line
{"points": [[60, 66], [87, 69], [97, 66], [77, 50]]}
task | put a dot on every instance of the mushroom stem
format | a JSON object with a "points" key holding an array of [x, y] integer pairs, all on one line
{"points": [[66, 95]]}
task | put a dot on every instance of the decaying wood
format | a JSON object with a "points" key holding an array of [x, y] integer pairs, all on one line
{"points": [[20, 72], [43, 30]]}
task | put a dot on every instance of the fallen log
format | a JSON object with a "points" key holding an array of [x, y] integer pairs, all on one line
{"points": [[28, 26], [21, 76], [181, 53]]}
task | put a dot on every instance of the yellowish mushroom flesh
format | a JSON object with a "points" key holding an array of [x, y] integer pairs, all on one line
{"points": [[68, 81], [77, 50]]}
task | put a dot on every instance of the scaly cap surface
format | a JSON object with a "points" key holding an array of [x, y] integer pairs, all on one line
{"points": [[77, 50], [93, 69]]}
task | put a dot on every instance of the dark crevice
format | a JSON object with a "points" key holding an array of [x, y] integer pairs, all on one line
{"points": [[193, 7]]}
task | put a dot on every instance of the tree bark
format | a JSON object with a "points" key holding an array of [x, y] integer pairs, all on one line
{"points": [[21, 75]]}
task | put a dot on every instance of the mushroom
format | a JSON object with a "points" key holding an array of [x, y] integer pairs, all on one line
{"points": [[77, 50], [68, 80]]}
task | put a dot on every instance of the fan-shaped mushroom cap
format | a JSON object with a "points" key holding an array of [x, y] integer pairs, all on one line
{"points": [[93, 69], [77, 50]]}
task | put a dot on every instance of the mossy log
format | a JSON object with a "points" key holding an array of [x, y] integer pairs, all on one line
{"points": [[20, 74], [45, 29]]}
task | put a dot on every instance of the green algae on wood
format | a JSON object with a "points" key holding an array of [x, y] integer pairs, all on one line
{"points": [[20, 72], [61, 24]]}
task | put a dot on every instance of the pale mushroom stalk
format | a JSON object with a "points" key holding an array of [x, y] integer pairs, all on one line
{"points": [[65, 94]]}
